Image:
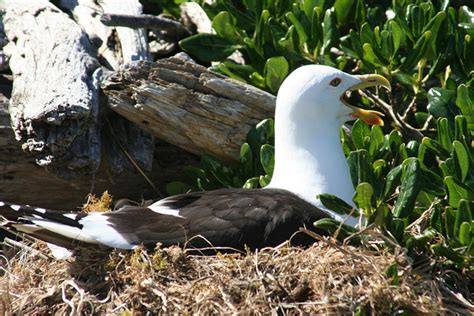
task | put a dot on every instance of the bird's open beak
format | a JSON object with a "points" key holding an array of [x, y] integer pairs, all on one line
{"points": [[372, 80]]}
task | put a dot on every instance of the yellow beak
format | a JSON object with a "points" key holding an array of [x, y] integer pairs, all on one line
{"points": [[369, 116]]}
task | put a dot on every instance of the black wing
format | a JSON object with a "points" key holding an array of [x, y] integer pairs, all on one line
{"points": [[232, 218]]}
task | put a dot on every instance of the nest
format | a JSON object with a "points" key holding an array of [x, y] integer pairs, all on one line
{"points": [[325, 278]]}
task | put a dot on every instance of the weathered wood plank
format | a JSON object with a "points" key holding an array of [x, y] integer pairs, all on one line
{"points": [[186, 105]]}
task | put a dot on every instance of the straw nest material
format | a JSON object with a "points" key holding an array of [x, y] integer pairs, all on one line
{"points": [[326, 278]]}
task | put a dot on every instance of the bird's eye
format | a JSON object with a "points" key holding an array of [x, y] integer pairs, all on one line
{"points": [[335, 82]]}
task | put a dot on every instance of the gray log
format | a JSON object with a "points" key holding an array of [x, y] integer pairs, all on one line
{"points": [[185, 104], [22, 181], [112, 50], [54, 104], [55, 100]]}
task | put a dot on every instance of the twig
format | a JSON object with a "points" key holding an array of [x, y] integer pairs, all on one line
{"points": [[211, 246], [408, 109], [168, 26], [457, 296], [423, 216], [406, 129], [358, 233], [332, 244], [132, 161], [427, 123], [10, 242]]}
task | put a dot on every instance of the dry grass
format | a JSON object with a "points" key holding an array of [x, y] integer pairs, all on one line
{"points": [[324, 279], [327, 278]]}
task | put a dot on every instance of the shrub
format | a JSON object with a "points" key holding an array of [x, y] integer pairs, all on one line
{"points": [[415, 178]]}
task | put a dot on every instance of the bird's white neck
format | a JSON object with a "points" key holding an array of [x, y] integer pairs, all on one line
{"points": [[309, 160]]}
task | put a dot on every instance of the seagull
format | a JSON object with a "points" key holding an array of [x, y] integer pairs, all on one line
{"points": [[312, 104]]}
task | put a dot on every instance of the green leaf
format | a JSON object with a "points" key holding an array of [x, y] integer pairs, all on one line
{"points": [[449, 219], [251, 183], [303, 37], [457, 191], [463, 214], [392, 273], [412, 148], [177, 187], [465, 233], [264, 180], [267, 158], [394, 141], [461, 131], [426, 236], [433, 26], [276, 69], [417, 53], [244, 20], [370, 56], [283, 6], [316, 29], [222, 173], [257, 80], [461, 158], [379, 167], [449, 254], [377, 141], [360, 14], [360, 167], [405, 79], [465, 102], [364, 197], [351, 45], [262, 33], [278, 31], [233, 70], [435, 219], [309, 6], [334, 203], [444, 133], [386, 46], [330, 31], [360, 130], [397, 36], [440, 102], [246, 161], [224, 25], [343, 9], [332, 226], [409, 189], [431, 182], [393, 180], [208, 47], [366, 34], [435, 147]]}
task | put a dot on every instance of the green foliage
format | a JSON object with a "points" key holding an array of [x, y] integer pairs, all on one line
{"points": [[426, 50]]}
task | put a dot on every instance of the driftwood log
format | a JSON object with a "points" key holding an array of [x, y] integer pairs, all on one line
{"points": [[60, 59], [187, 105], [54, 109], [23, 181], [54, 103]]}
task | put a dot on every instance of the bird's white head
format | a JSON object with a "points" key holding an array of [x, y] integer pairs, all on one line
{"points": [[313, 92], [311, 107]]}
